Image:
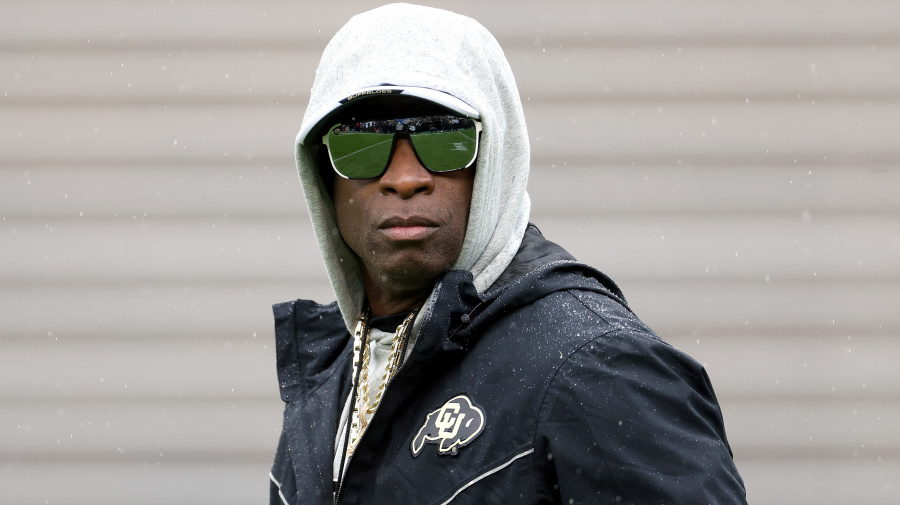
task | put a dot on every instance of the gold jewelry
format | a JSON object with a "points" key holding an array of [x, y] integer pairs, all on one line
{"points": [[362, 409]]}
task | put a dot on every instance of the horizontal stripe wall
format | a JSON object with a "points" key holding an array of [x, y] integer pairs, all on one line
{"points": [[733, 166]]}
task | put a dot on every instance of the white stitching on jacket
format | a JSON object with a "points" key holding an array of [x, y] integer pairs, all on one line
{"points": [[278, 485], [486, 474]]}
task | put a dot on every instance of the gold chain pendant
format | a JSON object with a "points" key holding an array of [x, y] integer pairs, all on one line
{"points": [[363, 410]]}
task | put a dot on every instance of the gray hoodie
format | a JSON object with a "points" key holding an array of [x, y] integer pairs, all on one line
{"points": [[410, 45]]}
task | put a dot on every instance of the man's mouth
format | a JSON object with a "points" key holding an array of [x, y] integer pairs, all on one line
{"points": [[408, 228]]}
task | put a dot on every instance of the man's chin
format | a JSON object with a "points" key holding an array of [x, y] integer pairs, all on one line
{"points": [[411, 277], [410, 271]]}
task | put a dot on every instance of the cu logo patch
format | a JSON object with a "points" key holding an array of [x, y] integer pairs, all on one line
{"points": [[456, 424]]}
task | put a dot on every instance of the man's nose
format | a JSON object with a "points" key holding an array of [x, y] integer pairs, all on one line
{"points": [[405, 176]]}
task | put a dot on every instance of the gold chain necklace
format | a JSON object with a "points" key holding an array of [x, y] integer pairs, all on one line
{"points": [[362, 409]]}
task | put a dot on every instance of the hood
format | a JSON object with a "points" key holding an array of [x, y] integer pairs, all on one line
{"points": [[423, 47]]}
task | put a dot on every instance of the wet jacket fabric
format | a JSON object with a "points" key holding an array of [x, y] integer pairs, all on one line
{"points": [[545, 388]]}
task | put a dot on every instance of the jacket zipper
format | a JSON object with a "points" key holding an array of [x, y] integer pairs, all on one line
{"points": [[345, 461]]}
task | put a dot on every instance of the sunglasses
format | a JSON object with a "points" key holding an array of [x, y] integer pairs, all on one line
{"points": [[363, 149]]}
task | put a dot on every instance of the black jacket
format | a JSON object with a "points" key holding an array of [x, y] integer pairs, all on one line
{"points": [[546, 389]]}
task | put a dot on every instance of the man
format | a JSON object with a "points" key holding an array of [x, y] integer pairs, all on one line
{"points": [[466, 359]]}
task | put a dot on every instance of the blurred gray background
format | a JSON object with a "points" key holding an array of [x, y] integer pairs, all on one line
{"points": [[733, 165]]}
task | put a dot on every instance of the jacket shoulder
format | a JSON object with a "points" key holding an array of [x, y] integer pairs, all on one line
{"points": [[639, 413]]}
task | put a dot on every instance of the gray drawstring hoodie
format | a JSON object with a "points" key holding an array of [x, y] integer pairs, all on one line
{"points": [[422, 47]]}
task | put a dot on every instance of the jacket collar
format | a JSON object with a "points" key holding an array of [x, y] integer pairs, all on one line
{"points": [[540, 267]]}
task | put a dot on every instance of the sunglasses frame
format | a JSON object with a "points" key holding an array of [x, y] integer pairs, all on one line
{"points": [[403, 135]]}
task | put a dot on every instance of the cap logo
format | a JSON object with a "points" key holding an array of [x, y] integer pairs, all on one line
{"points": [[454, 425], [371, 92]]}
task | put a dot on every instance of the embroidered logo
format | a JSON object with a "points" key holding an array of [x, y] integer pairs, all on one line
{"points": [[456, 424]]}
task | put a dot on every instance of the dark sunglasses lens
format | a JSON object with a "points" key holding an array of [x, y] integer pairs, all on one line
{"points": [[362, 150], [446, 151], [359, 156]]}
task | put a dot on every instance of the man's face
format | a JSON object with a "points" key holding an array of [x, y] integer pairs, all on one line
{"points": [[407, 226]]}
